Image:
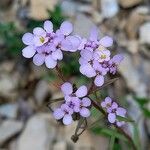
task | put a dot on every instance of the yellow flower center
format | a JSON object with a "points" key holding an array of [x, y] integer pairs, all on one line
{"points": [[42, 39], [103, 56], [101, 48]]}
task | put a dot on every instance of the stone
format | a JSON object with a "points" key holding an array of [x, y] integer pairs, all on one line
{"points": [[97, 17], [132, 46], [129, 3], [69, 8], [136, 18], [8, 84], [79, 26], [131, 69], [109, 8], [7, 66], [145, 33], [42, 91], [38, 133], [8, 129], [135, 112], [6, 4], [61, 145], [9, 110], [38, 8]]}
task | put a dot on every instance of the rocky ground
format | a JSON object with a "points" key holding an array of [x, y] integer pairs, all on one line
{"points": [[25, 121]]}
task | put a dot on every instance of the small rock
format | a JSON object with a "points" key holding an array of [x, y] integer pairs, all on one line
{"points": [[129, 3], [9, 110], [38, 8], [79, 26], [145, 33], [8, 129], [109, 8], [134, 75], [6, 3], [97, 17], [7, 66], [135, 112], [69, 8], [133, 46], [137, 17], [8, 84], [42, 91], [38, 134], [61, 145]]}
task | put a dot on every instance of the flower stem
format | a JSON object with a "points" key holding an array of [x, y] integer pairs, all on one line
{"points": [[59, 73]]}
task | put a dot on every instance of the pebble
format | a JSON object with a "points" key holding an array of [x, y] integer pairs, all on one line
{"points": [[9, 110], [8, 129], [38, 133], [145, 33]]}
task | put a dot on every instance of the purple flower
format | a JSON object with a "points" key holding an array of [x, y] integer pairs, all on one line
{"points": [[46, 46], [114, 62], [83, 110], [93, 53], [64, 113], [102, 55], [68, 92], [113, 111], [94, 42]]}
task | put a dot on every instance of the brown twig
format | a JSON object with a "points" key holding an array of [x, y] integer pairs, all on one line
{"points": [[59, 73]]}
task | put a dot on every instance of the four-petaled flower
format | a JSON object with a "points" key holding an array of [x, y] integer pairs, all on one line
{"points": [[113, 111], [46, 46], [75, 102], [95, 60]]}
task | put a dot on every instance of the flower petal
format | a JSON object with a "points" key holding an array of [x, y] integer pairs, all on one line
{"points": [[27, 38], [108, 100], [117, 58], [84, 112], [50, 62], [94, 34], [87, 70], [111, 117], [82, 91], [103, 104], [67, 120], [106, 41], [86, 54], [86, 102], [121, 111], [67, 88], [75, 42], [66, 45], [39, 31], [48, 26], [66, 28], [114, 105], [57, 55], [58, 114], [99, 80], [38, 59], [28, 51]]}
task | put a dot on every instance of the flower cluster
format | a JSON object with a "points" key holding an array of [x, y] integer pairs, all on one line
{"points": [[46, 46], [113, 111], [75, 102], [95, 60]]}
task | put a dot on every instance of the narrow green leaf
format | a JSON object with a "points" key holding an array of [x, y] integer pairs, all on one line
{"points": [[125, 119], [136, 137], [109, 132], [112, 142]]}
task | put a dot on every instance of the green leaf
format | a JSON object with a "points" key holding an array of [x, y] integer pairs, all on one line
{"points": [[136, 137], [112, 142], [125, 119], [109, 132]]}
